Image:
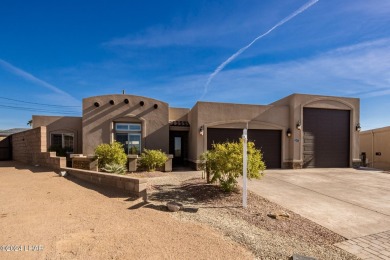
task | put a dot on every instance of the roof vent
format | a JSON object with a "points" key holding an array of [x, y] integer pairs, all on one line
{"points": [[97, 104], [141, 103], [155, 106], [126, 101], [112, 102]]}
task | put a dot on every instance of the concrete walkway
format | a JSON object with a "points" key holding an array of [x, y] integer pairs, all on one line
{"points": [[352, 203], [375, 246]]}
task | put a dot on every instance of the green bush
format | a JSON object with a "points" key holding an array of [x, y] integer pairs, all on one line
{"points": [[224, 163], [152, 159], [111, 154], [114, 168], [63, 152]]}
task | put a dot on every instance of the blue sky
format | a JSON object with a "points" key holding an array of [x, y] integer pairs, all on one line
{"points": [[58, 52]]}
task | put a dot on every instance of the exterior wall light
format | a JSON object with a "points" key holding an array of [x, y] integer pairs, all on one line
{"points": [[201, 132], [97, 104], [112, 102], [141, 103], [288, 133], [299, 125], [155, 106], [358, 127], [126, 101]]}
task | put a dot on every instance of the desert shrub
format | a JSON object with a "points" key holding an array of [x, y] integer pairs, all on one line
{"points": [[114, 168], [110, 154], [152, 159], [224, 163]]}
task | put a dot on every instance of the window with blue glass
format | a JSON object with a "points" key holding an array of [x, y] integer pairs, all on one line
{"points": [[129, 134]]}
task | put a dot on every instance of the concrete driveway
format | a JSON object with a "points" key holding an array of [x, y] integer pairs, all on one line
{"points": [[352, 203]]}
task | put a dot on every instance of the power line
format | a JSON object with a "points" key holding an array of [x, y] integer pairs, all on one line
{"points": [[41, 104], [32, 109]]}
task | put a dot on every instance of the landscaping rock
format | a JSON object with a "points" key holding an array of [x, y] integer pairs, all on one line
{"points": [[63, 173], [279, 215], [174, 206], [301, 257]]}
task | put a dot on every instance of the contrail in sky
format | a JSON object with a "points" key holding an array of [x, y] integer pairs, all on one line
{"points": [[27, 76], [231, 58]]}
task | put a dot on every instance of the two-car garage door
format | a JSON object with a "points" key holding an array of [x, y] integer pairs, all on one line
{"points": [[269, 141]]}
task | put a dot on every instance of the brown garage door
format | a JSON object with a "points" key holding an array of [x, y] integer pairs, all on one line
{"points": [[326, 136], [269, 141]]}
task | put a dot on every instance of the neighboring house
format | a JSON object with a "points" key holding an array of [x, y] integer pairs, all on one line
{"points": [[62, 131], [295, 132], [375, 148]]}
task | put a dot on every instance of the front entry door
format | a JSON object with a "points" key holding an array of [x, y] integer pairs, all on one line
{"points": [[178, 147]]}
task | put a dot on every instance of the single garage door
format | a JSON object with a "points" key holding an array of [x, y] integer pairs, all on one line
{"points": [[269, 141], [326, 138]]}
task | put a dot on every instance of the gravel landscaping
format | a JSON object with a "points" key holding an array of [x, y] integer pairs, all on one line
{"points": [[253, 227]]}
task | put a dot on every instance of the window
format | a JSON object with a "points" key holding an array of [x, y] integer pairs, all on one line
{"points": [[127, 127], [177, 146], [129, 134], [62, 141]]}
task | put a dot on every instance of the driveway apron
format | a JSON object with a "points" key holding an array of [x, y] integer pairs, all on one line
{"points": [[353, 203]]}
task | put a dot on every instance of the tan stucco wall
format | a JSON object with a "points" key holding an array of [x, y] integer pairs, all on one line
{"points": [[98, 122], [229, 115], [374, 141], [178, 114], [279, 115], [61, 124], [297, 102]]}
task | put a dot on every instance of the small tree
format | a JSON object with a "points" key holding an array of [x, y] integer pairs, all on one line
{"points": [[224, 163], [111, 154], [152, 159]]}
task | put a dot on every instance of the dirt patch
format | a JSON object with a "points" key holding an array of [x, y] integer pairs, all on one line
{"points": [[72, 219], [266, 237]]}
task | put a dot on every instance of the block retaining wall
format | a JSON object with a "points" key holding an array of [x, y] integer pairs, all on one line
{"points": [[30, 147], [135, 186]]}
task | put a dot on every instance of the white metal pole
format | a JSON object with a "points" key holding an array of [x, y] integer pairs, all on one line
{"points": [[244, 168]]}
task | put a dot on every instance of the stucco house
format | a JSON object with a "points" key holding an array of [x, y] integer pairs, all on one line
{"points": [[375, 148], [297, 131]]}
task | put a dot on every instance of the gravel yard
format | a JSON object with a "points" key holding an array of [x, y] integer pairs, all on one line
{"points": [[264, 236]]}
